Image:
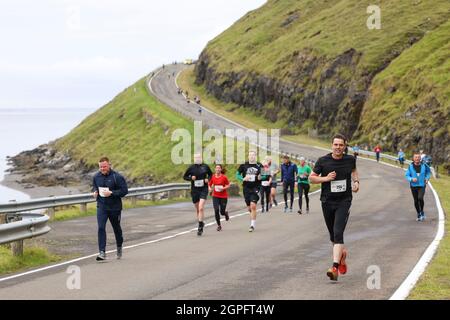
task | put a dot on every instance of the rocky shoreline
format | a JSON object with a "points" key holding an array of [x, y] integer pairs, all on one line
{"points": [[44, 171]]}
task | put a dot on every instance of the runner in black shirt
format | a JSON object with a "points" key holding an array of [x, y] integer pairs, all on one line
{"points": [[335, 172], [199, 175], [250, 175]]}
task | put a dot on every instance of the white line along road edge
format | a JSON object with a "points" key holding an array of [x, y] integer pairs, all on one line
{"points": [[408, 284]]}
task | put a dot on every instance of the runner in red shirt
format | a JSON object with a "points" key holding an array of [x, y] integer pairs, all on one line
{"points": [[218, 185]]}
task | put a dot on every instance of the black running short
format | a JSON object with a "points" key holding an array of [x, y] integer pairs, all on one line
{"points": [[199, 193], [251, 195], [336, 216]]}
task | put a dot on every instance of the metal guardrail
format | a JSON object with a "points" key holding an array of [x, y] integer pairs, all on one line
{"points": [[51, 202], [33, 225]]}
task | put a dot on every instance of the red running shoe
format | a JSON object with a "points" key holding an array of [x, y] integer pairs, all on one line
{"points": [[333, 273], [342, 265]]}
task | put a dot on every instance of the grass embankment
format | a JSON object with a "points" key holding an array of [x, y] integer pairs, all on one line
{"points": [[411, 96], [134, 130], [435, 282], [265, 40], [32, 257], [302, 44]]}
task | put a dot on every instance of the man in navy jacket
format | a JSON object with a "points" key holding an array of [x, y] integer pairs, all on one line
{"points": [[109, 187], [288, 178]]}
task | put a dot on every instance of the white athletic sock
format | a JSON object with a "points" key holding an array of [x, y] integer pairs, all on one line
{"points": [[253, 223]]}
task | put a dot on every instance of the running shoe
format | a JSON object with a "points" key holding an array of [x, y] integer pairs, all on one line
{"points": [[275, 202], [101, 256], [290, 209], [227, 217], [263, 210], [299, 211], [423, 216], [342, 265], [307, 210], [219, 228], [251, 229], [119, 253], [333, 273], [285, 209], [200, 231]]}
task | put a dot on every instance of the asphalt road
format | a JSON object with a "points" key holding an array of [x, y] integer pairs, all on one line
{"points": [[285, 258]]}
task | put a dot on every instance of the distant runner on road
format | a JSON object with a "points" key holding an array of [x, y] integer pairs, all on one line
{"points": [[274, 170], [303, 173], [199, 174], [418, 175], [250, 175], [288, 178], [218, 185]]}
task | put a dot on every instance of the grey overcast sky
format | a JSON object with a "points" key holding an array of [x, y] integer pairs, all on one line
{"points": [[81, 53]]}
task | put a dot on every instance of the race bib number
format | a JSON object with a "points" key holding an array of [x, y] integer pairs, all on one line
{"points": [[265, 183], [251, 178], [199, 183], [339, 186], [418, 174], [218, 188]]}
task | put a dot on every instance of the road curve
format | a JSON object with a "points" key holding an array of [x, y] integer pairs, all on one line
{"points": [[285, 258]]}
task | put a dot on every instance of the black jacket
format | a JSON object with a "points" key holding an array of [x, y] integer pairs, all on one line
{"points": [[200, 171], [116, 184]]}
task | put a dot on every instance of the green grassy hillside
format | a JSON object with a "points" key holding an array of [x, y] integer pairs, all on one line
{"points": [[266, 40], [412, 95], [134, 130], [316, 66]]}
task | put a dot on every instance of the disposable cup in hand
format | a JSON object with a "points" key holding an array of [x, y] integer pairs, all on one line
{"points": [[101, 191]]}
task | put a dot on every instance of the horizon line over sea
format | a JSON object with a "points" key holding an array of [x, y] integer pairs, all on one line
{"points": [[24, 129]]}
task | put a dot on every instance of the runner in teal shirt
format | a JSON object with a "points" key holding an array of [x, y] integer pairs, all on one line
{"points": [[303, 183]]}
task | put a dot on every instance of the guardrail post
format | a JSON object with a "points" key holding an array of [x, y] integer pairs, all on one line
{"points": [[186, 193], [133, 201], [51, 212], [2, 218], [17, 246], [83, 207], [169, 195]]}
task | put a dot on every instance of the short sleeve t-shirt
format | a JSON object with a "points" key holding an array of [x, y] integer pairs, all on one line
{"points": [[219, 182], [265, 177], [340, 189], [252, 171], [303, 173]]}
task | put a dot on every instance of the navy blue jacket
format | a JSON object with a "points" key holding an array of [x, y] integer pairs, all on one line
{"points": [[116, 184], [288, 172]]}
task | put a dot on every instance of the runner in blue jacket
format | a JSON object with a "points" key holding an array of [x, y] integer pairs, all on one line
{"points": [[418, 175]]}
